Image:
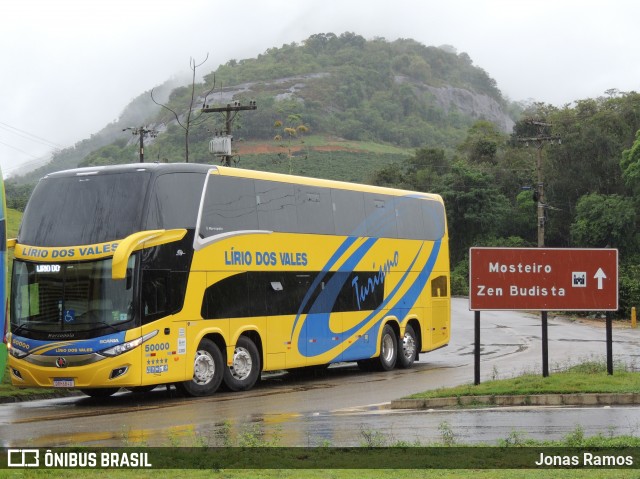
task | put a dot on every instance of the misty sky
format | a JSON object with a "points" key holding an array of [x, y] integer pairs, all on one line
{"points": [[69, 67]]}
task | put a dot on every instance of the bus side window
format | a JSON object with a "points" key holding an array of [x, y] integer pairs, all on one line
{"points": [[276, 206], [409, 218], [434, 220], [175, 201], [348, 212], [381, 216], [229, 205], [314, 210]]}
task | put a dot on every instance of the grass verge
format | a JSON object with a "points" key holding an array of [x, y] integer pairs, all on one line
{"points": [[588, 377]]}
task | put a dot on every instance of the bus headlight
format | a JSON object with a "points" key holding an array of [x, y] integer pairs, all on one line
{"points": [[128, 346], [15, 352]]}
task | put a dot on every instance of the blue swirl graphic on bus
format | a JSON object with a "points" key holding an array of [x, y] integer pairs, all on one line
{"points": [[362, 291], [319, 278], [317, 322]]}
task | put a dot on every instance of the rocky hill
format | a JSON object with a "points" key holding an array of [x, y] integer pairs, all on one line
{"points": [[400, 94]]}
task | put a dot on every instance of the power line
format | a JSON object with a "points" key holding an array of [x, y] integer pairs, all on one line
{"points": [[27, 165], [18, 149], [27, 135]]}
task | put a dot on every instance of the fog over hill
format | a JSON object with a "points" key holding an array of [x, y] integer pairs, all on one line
{"points": [[398, 93]]}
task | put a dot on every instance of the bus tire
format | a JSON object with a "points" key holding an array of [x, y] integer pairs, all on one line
{"points": [[245, 368], [99, 393], [388, 349], [407, 347], [208, 370]]}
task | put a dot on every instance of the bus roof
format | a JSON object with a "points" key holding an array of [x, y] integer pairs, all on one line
{"points": [[133, 167], [161, 168], [304, 180]]}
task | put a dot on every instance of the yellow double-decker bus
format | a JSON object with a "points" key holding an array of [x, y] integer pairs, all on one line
{"points": [[138, 275]]}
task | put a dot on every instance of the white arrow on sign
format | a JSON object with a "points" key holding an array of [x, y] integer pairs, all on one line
{"points": [[600, 276]]}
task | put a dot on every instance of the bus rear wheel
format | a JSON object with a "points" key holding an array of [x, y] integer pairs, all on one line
{"points": [[407, 347], [244, 370], [208, 369]]}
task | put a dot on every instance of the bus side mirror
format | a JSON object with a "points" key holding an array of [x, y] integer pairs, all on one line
{"points": [[140, 240], [11, 243]]}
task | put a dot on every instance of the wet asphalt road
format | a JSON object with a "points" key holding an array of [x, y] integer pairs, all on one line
{"points": [[344, 406]]}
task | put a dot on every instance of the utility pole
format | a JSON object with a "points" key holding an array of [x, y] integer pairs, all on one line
{"points": [[539, 141], [230, 111], [142, 132]]}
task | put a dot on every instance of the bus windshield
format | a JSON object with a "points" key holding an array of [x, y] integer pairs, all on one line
{"points": [[84, 209], [77, 298]]}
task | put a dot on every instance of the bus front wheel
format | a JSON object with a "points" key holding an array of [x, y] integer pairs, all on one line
{"points": [[208, 369], [388, 353], [244, 370], [388, 349]]}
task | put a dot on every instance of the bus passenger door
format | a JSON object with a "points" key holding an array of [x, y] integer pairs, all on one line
{"points": [[164, 358]]}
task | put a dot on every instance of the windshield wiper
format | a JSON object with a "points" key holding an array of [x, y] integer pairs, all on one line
{"points": [[20, 328], [100, 325]]}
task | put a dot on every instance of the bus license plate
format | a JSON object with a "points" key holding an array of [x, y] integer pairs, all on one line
{"points": [[63, 383]]}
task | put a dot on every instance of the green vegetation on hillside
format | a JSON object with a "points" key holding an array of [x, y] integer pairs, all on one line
{"points": [[354, 167], [343, 86], [375, 58], [591, 192], [340, 86]]}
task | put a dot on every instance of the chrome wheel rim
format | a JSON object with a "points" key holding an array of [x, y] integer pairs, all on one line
{"points": [[388, 349], [242, 364], [408, 346], [204, 368]]}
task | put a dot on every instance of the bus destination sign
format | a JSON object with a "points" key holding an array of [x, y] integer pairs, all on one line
{"points": [[543, 279]]}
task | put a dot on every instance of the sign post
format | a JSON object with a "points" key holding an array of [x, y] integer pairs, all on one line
{"points": [[543, 279]]}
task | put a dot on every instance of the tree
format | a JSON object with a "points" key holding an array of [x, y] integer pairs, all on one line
{"points": [[481, 144], [17, 195], [594, 133], [427, 168], [390, 176], [290, 135], [630, 165], [604, 221], [475, 207], [186, 121]]}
